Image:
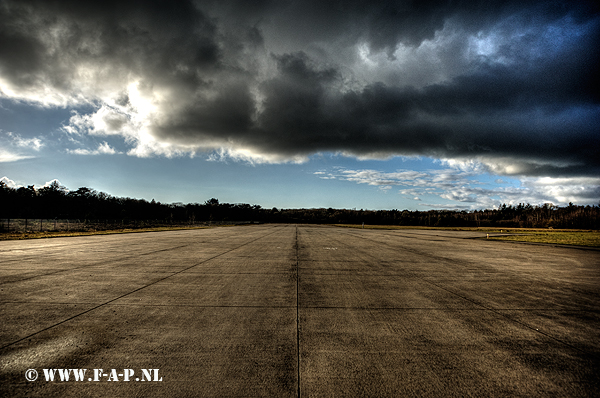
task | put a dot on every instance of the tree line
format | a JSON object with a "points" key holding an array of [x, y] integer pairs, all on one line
{"points": [[55, 201]]}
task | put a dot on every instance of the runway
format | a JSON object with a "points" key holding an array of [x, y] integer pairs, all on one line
{"points": [[300, 310]]}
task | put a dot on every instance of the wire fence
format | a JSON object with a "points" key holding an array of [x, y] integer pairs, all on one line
{"points": [[30, 225]]}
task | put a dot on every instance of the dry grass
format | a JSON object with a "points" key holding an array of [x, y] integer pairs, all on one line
{"points": [[483, 229], [574, 238], [56, 234]]}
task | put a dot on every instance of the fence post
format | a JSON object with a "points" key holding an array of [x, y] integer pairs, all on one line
{"points": [[41, 229]]}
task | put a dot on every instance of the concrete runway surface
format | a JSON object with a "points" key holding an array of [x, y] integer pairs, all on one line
{"points": [[286, 310]]}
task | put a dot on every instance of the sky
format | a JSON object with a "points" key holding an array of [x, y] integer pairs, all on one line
{"points": [[413, 105]]}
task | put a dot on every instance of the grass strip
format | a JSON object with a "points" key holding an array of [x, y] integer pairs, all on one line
{"points": [[533, 235], [579, 238], [58, 234]]}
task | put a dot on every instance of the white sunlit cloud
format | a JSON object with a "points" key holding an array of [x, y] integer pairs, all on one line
{"points": [[7, 156], [30, 143], [378, 178], [126, 122], [54, 181], [103, 149], [565, 190], [39, 94], [14, 146], [10, 183], [250, 157], [450, 184], [14, 185], [461, 185], [121, 123], [134, 122]]}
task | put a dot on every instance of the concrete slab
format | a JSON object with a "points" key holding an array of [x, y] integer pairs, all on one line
{"points": [[577, 328], [243, 265], [284, 310], [22, 319], [82, 287], [274, 290], [375, 291], [434, 353], [199, 351]]}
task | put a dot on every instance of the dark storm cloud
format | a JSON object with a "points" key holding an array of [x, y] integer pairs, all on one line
{"points": [[499, 111], [43, 41], [503, 82]]}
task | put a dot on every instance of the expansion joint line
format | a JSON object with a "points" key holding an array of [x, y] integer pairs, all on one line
{"points": [[136, 290], [475, 302], [99, 263], [297, 309]]}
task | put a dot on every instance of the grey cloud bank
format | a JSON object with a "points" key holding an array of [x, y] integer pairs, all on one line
{"points": [[508, 84]]}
